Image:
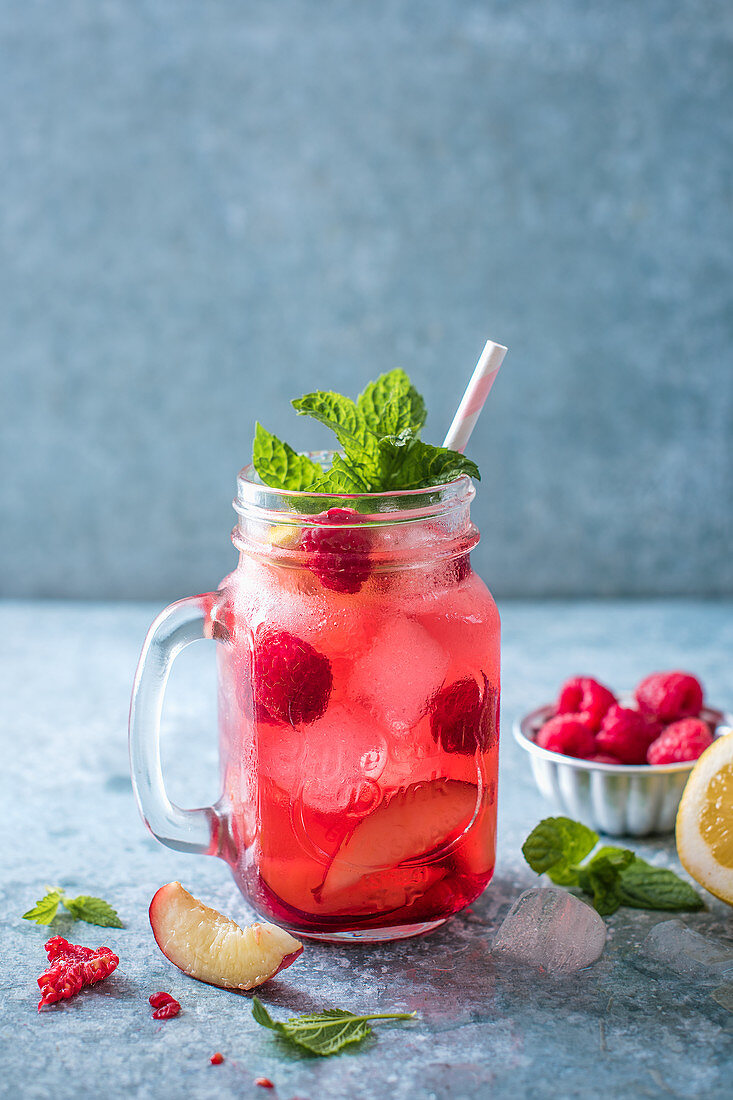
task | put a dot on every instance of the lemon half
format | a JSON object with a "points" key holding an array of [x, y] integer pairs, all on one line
{"points": [[704, 827]]}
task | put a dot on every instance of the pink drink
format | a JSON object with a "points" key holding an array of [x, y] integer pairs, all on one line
{"points": [[358, 701]]}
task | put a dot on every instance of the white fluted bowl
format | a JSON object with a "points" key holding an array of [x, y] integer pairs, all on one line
{"points": [[616, 799]]}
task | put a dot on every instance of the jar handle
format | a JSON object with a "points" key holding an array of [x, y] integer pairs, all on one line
{"points": [[199, 831]]}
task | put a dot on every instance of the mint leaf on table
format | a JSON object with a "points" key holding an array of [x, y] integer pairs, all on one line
{"points": [[556, 845], [559, 847], [643, 886], [326, 1032], [86, 908], [392, 404], [601, 877], [45, 909], [279, 465], [93, 911]]}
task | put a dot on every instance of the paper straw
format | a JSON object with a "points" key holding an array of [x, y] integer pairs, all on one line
{"points": [[473, 399]]}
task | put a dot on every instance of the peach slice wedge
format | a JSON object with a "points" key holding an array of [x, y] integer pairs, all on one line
{"points": [[211, 948], [421, 820]]}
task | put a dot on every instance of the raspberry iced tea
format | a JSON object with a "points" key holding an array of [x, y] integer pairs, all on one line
{"points": [[358, 701], [358, 662]]}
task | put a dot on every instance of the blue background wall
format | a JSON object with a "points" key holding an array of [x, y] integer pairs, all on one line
{"points": [[207, 208]]}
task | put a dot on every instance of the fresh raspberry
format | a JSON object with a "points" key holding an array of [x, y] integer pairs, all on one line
{"points": [[626, 734], [463, 718], [73, 967], [683, 740], [603, 758], [670, 695], [569, 734], [460, 568], [292, 680], [340, 558], [582, 694], [216, 1059]]}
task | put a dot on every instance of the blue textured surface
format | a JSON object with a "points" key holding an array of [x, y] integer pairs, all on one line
{"points": [[207, 208], [623, 1028]]}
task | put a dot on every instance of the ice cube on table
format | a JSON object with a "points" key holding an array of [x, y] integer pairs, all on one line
{"points": [[688, 954], [552, 930], [400, 672]]}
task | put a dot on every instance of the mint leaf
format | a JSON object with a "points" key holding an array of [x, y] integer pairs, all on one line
{"points": [[279, 465], [392, 404], [93, 911], [326, 1032], [348, 422], [45, 909], [643, 886], [601, 877], [612, 876], [342, 478], [556, 845], [261, 1015], [405, 462]]}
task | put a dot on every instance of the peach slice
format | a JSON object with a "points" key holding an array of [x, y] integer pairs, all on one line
{"points": [[419, 820], [211, 948]]}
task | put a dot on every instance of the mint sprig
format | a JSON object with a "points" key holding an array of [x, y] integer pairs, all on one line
{"points": [[84, 907], [326, 1032], [379, 437], [559, 847]]}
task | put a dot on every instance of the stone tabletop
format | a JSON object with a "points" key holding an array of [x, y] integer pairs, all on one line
{"points": [[617, 1029]]}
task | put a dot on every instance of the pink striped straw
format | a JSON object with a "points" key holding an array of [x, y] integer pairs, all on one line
{"points": [[473, 399]]}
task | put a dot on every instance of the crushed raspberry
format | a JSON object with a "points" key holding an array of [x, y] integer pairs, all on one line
{"points": [[157, 1000], [683, 740], [72, 968], [626, 734], [670, 695], [264, 1082], [463, 718], [216, 1059], [340, 558], [583, 694], [292, 680], [569, 734], [165, 1006]]}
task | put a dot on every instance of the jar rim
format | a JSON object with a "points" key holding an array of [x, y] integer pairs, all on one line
{"points": [[401, 505]]}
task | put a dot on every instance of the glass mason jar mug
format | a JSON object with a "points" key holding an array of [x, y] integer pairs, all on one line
{"points": [[358, 671]]}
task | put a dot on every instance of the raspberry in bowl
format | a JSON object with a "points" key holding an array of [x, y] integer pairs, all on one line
{"points": [[619, 763]]}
